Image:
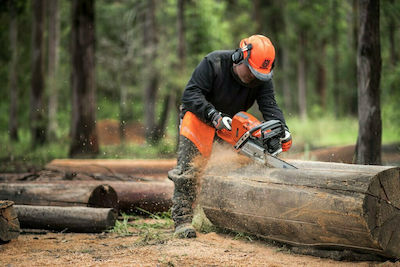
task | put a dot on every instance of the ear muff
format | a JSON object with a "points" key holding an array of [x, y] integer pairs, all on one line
{"points": [[238, 55]]}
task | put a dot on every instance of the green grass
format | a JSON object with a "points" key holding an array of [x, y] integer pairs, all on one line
{"points": [[150, 232], [327, 131]]}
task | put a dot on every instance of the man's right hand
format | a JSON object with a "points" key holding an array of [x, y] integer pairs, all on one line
{"points": [[218, 121]]}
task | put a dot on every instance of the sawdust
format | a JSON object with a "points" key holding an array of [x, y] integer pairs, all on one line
{"points": [[212, 249]]}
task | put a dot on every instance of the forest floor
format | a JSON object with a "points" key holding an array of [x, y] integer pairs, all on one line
{"points": [[157, 248]]}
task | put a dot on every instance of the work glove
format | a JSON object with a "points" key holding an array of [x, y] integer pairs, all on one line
{"points": [[219, 121], [286, 141]]}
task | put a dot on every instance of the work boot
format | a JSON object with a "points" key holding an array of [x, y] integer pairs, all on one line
{"points": [[182, 201], [185, 230]]}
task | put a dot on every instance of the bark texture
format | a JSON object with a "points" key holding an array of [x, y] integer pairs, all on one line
{"points": [[13, 77], [38, 115], [53, 41], [368, 150], [71, 219], [58, 194], [336, 207], [83, 129]]}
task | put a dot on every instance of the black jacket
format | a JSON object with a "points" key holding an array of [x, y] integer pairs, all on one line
{"points": [[214, 85]]}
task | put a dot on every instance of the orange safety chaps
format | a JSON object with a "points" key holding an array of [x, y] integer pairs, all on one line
{"points": [[201, 134]]}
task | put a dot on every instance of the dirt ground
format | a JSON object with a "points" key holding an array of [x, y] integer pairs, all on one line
{"points": [[160, 249]]}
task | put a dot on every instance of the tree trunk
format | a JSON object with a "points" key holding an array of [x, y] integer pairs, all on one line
{"points": [[151, 88], [321, 75], [72, 219], [354, 207], [13, 77], [162, 122], [301, 75], [60, 194], [83, 127], [335, 61], [181, 29], [392, 36], [368, 149], [37, 115], [9, 224], [53, 67], [285, 65]]}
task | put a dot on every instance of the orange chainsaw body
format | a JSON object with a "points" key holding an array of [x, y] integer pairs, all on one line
{"points": [[241, 123]]}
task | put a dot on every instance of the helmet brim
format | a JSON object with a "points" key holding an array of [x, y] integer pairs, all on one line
{"points": [[265, 77]]}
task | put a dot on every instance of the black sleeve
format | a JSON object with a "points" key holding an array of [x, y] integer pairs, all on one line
{"points": [[199, 85], [267, 103]]}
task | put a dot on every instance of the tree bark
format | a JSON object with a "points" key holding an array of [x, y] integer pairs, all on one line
{"points": [[181, 29], [13, 77], [335, 61], [155, 196], [37, 115], [60, 194], [368, 149], [319, 207], [139, 168], [83, 127], [150, 94], [71, 219], [321, 75], [53, 40], [301, 75], [9, 224]]}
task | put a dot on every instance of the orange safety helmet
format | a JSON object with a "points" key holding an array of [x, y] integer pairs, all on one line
{"points": [[258, 53]]}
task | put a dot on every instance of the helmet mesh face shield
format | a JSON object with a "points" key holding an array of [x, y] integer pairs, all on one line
{"points": [[259, 56]]}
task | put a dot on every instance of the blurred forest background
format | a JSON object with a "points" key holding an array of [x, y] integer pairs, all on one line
{"points": [[143, 52]]}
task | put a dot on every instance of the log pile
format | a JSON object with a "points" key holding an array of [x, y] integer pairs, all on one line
{"points": [[67, 196], [9, 224], [320, 205]]}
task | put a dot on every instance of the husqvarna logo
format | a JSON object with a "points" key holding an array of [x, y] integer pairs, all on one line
{"points": [[265, 64]]}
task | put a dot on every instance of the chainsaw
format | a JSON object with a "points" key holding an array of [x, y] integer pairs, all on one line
{"points": [[257, 140]]}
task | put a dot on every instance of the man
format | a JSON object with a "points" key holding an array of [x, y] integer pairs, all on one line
{"points": [[224, 83]]}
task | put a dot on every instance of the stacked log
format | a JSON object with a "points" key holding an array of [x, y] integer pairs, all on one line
{"points": [[74, 219], [137, 167], [319, 205], [60, 194], [9, 224]]}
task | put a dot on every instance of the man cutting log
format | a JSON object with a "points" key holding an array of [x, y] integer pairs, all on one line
{"points": [[224, 83]]}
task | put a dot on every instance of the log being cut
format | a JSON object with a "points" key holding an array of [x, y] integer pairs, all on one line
{"points": [[60, 194], [319, 205], [9, 224], [71, 219]]}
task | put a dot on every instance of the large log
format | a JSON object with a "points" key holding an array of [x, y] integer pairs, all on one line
{"points": [[72, 219], [60, 194], [9, 224], [320, 206]]}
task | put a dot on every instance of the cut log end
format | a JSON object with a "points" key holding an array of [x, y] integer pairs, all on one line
{"points": [[103, 196], [382, 210], [9, 224]]}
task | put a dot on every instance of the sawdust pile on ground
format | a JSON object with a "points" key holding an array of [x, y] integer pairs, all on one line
{"points": [[212, 249]]}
